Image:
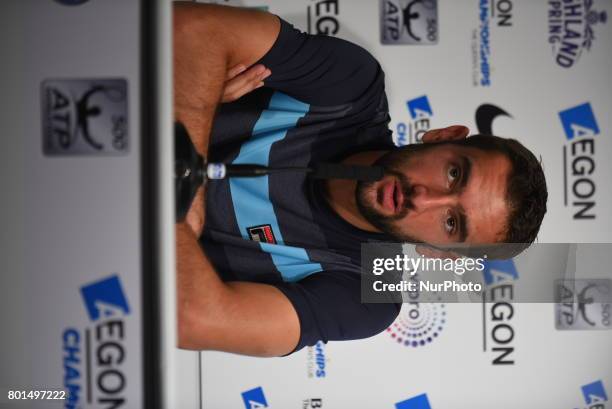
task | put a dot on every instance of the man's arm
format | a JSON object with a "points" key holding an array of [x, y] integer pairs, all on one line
{"points": [[208, 40], [245, 318], [265, 320]]}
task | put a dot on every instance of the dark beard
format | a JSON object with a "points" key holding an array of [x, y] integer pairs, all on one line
{"points": [[386, 224]]}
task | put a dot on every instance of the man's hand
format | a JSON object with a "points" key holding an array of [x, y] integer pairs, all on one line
{"points": [[196, 213], [240, 82]]}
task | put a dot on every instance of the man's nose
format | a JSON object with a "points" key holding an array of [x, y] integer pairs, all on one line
{"points": [[424, 198]]}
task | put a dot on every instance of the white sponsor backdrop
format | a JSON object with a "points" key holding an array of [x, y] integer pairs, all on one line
{"points": [[538, 366], [70, 286]]}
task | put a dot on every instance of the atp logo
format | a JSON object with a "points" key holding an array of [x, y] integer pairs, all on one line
{"points": [[84, 116], [594, 395], [409, 22], [580, 127], [420, 113], [584, 304], [418, 402], [408, 15], [254, 399]]}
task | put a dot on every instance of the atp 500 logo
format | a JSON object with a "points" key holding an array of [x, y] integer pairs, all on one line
{"points": [[409, 22], [84, 117], [93, 357], [583, 304], [580, 127]]}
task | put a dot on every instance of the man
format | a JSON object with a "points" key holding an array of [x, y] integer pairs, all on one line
{"points": [[277, 263]]}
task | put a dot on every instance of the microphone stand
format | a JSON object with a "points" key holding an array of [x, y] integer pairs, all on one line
{"points": [[191, 171]]}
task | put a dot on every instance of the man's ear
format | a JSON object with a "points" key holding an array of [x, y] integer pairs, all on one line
{"points": [[450, 133], [431, 252]]}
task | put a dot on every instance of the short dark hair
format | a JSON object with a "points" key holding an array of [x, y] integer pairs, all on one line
{"points": [[526, 192]]}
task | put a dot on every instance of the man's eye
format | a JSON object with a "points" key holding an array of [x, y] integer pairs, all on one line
{"points": [[453, 173], [450, 224]]}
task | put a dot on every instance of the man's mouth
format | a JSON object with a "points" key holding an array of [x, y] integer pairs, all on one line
{"points": [[391, 196]]}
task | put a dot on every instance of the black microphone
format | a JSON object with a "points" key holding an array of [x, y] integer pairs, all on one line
{"points": [[216, 171], [192, 171]]}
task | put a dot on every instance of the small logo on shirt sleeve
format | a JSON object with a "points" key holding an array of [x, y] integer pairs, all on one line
{"points": [[262, 233]]}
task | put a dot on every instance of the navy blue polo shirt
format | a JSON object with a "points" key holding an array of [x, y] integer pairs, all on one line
{"points": [[324, 101]]}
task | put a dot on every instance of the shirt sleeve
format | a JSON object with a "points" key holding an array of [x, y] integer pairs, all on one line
{"points": [[319, 69], [329, 308]]}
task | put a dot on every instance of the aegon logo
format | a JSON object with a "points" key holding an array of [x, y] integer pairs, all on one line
{"points": [[579, 187], [254, 399], [418, 402], [322, 16], [594, 395], [498, 310], [420, 114], [501, 11], [93, 357]]}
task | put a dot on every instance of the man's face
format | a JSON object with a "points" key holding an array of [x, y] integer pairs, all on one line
{"points": [[439, 194]]}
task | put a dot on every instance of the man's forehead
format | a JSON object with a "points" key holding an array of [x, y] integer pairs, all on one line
{"points": [[485, 197]]}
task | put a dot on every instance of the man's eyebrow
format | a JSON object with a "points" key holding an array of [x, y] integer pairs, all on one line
{"points": [[465, 177], [463, 233], [466, 168]]}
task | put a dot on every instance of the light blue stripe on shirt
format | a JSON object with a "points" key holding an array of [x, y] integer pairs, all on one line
{"points": [[251, 196]]}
